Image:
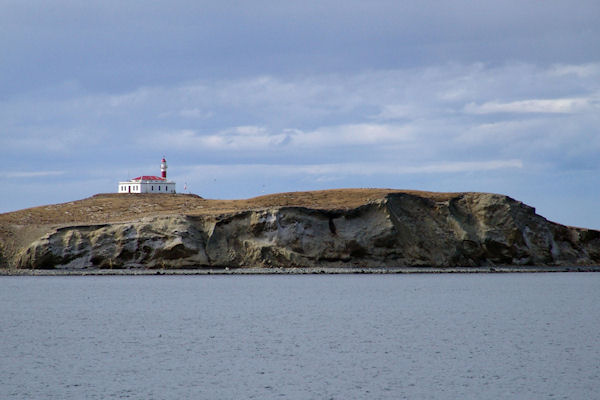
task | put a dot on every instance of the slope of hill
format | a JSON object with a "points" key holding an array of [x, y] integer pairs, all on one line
{"points": [[332, 228]]}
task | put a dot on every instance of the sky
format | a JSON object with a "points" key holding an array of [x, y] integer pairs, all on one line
{"points": [[250, 98]]}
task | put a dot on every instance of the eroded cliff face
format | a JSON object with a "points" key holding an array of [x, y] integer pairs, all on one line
{"points": [[472, 229]]}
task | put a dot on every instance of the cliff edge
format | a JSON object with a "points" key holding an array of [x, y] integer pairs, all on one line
{"points": [[336, 228]]}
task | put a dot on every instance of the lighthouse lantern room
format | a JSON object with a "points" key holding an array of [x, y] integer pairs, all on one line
{"points": [[149, 183]]}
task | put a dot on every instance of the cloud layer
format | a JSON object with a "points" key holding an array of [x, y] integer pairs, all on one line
{"points": [[111, 45]]}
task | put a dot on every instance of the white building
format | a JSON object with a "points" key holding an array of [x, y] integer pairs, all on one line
{"points": [[149, 183]]}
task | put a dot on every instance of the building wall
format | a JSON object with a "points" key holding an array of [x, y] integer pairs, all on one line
{"points": [[158, 187], [129, 187], [147, 187]]}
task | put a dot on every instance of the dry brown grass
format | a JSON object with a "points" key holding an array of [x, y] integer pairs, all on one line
{"points": [[113, 207]]}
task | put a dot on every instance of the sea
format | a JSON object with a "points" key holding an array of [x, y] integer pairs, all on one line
{"points": [[405, 336]]}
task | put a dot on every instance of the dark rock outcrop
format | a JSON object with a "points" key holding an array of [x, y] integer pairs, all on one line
{"points": [[470, 229]]}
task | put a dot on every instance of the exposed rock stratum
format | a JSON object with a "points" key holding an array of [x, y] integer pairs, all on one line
{"points": [[376, 228]]}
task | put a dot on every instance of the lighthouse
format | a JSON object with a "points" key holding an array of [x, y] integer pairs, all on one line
{"points": [[149, 183], [163, 168]]}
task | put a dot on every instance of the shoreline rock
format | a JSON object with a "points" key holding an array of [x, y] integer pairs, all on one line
{"points": [[295, 271]]}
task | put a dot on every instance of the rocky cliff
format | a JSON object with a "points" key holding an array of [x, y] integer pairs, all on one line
{"points": [[386, 229]]}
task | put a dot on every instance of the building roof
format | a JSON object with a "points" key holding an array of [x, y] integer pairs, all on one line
{"points": [[148, 178]]}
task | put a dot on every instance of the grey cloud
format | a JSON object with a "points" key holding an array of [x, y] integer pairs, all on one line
{"points": [[113, 45], [440, 106]]}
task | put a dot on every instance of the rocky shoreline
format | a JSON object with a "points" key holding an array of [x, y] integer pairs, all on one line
{"points": [[297, 271]]}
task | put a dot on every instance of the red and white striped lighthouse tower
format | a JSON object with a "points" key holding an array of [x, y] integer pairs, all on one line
{"points": [[163, 168]]}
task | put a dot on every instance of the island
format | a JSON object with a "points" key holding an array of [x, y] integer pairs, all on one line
{"points": [[345, 229]]}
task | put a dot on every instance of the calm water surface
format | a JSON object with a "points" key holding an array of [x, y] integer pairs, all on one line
{"points": [[485, 336]]}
